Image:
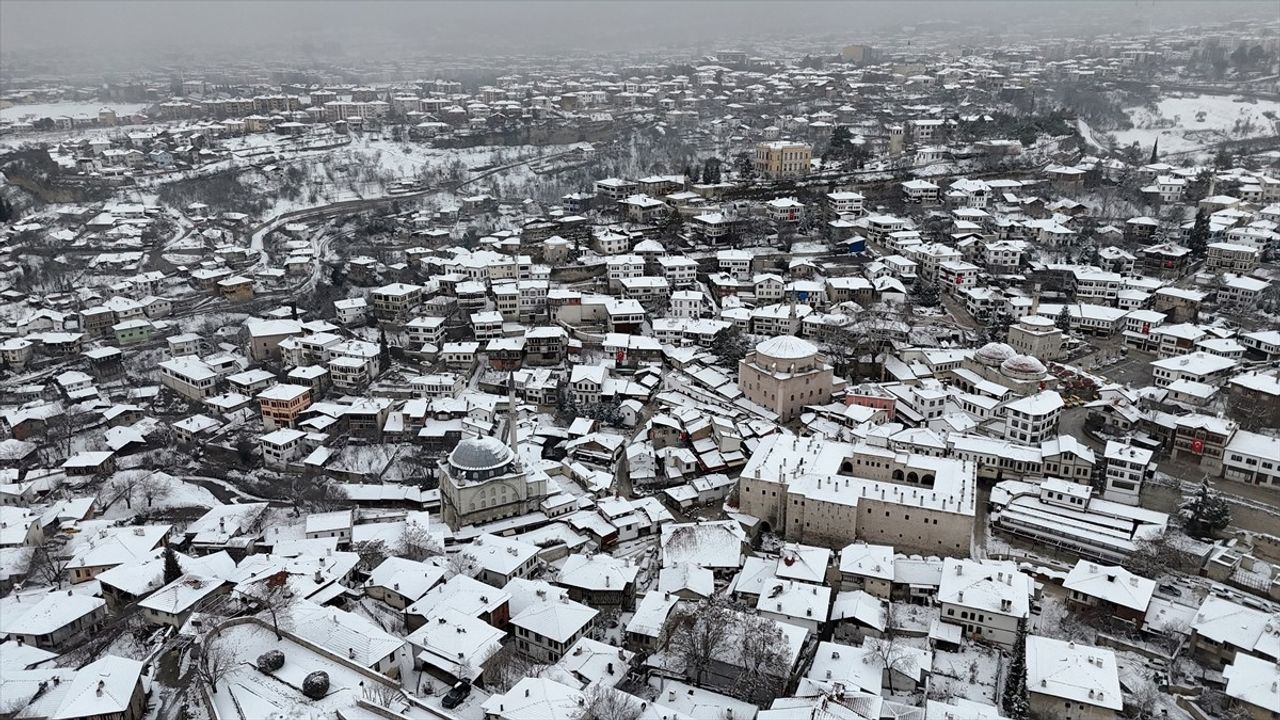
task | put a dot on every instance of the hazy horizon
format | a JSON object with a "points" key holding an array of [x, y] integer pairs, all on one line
{"points": [[138, 29]]}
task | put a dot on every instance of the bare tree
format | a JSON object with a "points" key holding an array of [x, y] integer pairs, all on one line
{"points": [[416, 542], [1159, 555], [372, 553], [273, 596], [215, 661], [154, 487], [121, 487], [600, 702], [48, 567], [1055, 621], [507, 667], [765, 666], [697, 634], [59, 431], [460, 563], [889, 650]]}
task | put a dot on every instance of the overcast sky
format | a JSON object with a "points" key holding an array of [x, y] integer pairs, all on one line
{"points": [[500, 26]]}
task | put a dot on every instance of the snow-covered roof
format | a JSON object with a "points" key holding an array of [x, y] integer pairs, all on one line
{"points": [[451, 640], [342, 632], [556, 620], [990, 585], [1111, 584], [45, 613], [597, 572], [787, 347], [1078, 673], [101, 688], [1253, 680]]}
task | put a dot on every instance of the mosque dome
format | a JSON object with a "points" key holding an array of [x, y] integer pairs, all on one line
{"points": [[485, 455], [994, 354], [787, 348], [1023, 367]]}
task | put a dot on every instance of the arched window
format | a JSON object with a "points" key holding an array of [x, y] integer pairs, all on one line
{"points": [[897, 475], [912, 477]]}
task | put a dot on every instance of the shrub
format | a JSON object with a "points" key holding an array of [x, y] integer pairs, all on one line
{"points": [[270, 661], [316, 685]]}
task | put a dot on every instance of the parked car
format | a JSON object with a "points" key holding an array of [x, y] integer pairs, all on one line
{"points": [[456, 694]]}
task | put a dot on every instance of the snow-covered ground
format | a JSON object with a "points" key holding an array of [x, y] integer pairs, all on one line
{"points": [[262, 695], [1186, 123], [70, 109]]}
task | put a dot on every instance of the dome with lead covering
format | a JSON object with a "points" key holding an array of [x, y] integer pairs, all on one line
{"points": [[787, 347], [1023, 367], [1037, 322], [485, 456], [994, 353]]}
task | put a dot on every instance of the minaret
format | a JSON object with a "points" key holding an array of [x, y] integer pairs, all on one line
{"points": [[791, 322], [513, 415]]}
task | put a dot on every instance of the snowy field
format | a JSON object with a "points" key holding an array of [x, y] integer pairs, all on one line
{"points": [[71, 109], [1186, 123]]}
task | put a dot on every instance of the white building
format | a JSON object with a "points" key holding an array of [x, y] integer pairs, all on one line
{"points": [[990, 599], [1069, 681], [1128, 467]]}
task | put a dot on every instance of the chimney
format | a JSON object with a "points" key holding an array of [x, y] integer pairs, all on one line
{"points": [[609, 669], [102, 684], [351, 653]]}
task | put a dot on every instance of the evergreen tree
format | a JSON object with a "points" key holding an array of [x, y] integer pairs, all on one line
{"points": [[172, 570], [925, 294], [1063, 320], [1014, 700], [730, 345], [1155, 151], [1206, 512], [711, 171], [384, 349], [838, 148], [1198, 238]]}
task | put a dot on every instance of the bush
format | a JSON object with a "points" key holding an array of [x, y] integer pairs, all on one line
{"points": [[316, 685], [270, 661]]}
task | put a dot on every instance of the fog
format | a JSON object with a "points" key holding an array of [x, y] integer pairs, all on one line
{"points": [[499, 27]]}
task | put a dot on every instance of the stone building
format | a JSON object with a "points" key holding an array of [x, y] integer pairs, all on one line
{"points": [[784, 374]]}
